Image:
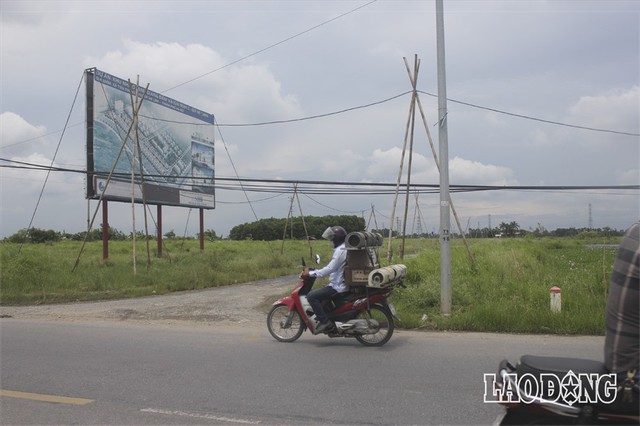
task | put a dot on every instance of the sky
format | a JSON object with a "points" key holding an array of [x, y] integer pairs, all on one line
{"points": [[541, 94]]}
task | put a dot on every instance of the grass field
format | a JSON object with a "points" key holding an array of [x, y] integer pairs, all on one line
{"points": [[506, 291]]}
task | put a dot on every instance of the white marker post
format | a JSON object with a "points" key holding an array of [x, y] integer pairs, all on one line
{"points": [[556, 302]]}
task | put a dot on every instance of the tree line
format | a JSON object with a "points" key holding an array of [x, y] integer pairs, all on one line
{"points": [[264, 229], [294, 228], [512, 230], [38, 236]]}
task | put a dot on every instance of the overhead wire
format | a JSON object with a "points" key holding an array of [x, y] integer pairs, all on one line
{"points": [[257, 52], [313, 117], [557, 123], [391, 98], [358, 107], [320, 187], [233, 166], [329, 207], [53, 159]]}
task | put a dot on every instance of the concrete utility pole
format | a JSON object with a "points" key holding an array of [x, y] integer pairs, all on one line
{"points": [[445, 220]]}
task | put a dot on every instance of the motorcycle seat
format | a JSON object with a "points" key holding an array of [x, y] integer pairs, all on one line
{"points": [[343, 298], [559, 366], [339, 299], [354, 293]]}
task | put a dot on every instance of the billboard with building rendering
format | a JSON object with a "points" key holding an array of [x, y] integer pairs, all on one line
{"points": [[173, 161]]}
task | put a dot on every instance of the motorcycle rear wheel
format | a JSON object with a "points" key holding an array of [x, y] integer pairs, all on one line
{"points": [[384, 333], [283, 328]]}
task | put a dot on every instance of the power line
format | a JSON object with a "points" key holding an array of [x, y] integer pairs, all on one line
{"points": [[354, 108], [257, 52], [375, 103], [312, 117], [50, 168], [322, 187], [329, 207], [526, 117]]}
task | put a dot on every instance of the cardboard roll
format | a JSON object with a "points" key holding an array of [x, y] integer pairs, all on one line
{"points": [[383, 277], [361, 240]]}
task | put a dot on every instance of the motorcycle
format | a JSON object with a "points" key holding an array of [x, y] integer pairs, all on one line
{"points": [[555, 390], [362, 313]]}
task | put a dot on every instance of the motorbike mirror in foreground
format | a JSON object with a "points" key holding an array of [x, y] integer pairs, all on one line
{"points": [[317, 258]]}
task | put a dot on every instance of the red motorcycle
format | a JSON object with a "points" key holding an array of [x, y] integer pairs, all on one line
{"points": [[363, 312]]}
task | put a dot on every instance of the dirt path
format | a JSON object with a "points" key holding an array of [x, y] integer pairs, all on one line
{"points": [[240, 304]]}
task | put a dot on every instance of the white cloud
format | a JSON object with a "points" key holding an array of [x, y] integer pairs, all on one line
{"points": [[540, 137], [618, 110], [164, 64], [628, 177], [384, 165], [246, 92], [473, 172], [26, 181], [29, 181], [495, 119], [17, 135]]}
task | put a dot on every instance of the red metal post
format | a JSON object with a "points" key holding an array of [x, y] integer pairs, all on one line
{"points": [[159, 230], [201, 230], [105, 231]]}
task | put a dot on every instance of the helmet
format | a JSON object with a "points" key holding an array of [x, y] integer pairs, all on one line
{"points": [[335, 234]]}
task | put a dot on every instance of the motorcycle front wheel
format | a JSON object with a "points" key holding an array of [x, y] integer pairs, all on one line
{"points": [[283, 324], [385, 330]]}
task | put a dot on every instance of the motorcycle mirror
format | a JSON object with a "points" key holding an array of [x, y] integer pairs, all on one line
{"points": [[317, 258]]}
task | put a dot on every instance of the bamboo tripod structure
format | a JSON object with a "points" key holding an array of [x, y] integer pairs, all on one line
{"points": [[290, 217], [133, 127], [409, 133]]}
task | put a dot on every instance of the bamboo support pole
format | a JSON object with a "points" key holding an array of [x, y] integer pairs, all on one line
{"points": [[395, 198], [413, 79], [101, 198]]}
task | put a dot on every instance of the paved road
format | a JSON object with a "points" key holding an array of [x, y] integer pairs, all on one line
{"points": [[128, 372]]}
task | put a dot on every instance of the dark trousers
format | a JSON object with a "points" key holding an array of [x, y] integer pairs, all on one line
{"points": [[316, 297]]}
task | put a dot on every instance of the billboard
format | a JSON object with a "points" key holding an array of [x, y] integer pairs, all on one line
{"points": [[173, 162]]}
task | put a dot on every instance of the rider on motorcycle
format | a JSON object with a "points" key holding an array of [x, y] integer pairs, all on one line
{"points": [[335, 271]]}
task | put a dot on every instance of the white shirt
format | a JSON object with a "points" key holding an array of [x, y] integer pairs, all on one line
{"points": [[334, 269]]}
